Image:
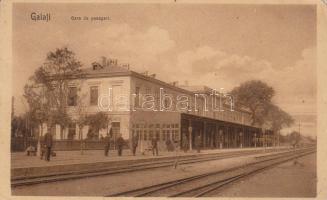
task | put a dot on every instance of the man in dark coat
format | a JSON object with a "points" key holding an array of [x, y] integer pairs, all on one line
{"points": [[120, 145], [168, 144], [43, 151], [185, 143], [106, 145], [198, 143], [48, 142], [154, 143], [134, 144]]}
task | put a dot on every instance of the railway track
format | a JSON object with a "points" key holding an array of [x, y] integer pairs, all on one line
{"points": [[208, 184], [23, 181]]}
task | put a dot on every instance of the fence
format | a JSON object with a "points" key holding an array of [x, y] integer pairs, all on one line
{"points": [[20, 144]]}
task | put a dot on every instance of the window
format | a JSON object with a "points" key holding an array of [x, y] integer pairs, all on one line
{"points": [[145, 135], [176, 134], [163, 135], [158, 135], [137, 97], [94, 95], [140, 134], [166, 103], [150, 135], [72, 96], [148, 91]]}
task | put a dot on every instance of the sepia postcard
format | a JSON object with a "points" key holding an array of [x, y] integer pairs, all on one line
{"points": [[161, 99]]}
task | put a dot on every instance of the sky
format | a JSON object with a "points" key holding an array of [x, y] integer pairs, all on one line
{"points": [[220, 46]]}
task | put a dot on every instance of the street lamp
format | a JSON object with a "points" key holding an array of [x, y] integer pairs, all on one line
{"points": [[241, 142], [255, 140], [41, 117], [190, 136], [141, 131], [38, 140], [221, 139], [300, 126]]}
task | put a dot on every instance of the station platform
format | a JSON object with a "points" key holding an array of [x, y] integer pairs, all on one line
{"points": [[65, 161]]}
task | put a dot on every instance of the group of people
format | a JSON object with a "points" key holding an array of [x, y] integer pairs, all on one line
{"points": [[197, 143], [47, 143], [120, 143], [154, 145], [46, 147]]}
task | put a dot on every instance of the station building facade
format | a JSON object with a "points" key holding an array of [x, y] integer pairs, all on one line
{"points": [[137, 105]]}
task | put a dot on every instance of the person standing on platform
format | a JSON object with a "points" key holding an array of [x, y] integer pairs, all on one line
{"points": [[134, 144], [106, 145], [120, 145], [154, 143], [185, 144], [198, 143], [168, 144], [43, 151], [48, 142]]}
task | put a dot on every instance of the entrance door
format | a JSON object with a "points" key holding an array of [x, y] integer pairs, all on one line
{"points": [[115, 126]]}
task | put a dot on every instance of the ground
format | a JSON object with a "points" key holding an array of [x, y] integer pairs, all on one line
{"points": [[286, 180], [291, 179]]}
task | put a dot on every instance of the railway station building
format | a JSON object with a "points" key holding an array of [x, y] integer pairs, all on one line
{"points": [[137, 104]]}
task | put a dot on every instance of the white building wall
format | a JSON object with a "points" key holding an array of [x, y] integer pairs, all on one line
{"points": [[126, 85], [116, 108], [57, 132]]}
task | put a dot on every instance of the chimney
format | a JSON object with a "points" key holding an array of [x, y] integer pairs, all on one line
{"points": [[175, 83], [104, 61], [96, 66], [125, 65], [146, 73]]}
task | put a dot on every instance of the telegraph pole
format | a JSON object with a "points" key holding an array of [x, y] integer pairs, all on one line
{"points": [[300, 125], [299, 131]]}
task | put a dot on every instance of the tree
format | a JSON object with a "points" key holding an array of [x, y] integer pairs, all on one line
{"points": [[18, 126], [254, 95], [82, 118], [97, 122], [39, 108], [277, 118], [295, 138], [47, 90]]}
